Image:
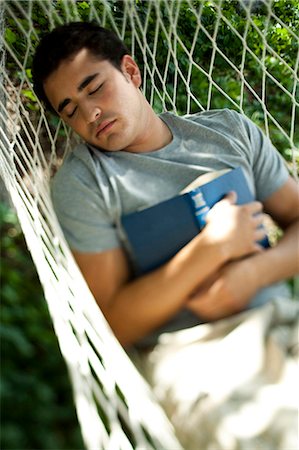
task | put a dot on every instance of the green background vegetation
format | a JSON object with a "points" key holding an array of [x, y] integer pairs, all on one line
{"points": [[36, 401], [279, 38]]}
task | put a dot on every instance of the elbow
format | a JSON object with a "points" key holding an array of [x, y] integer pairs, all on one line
{"points": [[125, 334], [125, 338]]}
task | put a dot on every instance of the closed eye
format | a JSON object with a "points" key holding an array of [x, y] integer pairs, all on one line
{"points": [[72, 113], [90, 93], [95, 90]]}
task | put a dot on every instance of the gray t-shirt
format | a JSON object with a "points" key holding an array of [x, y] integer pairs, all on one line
{"points": [[94, 188]]}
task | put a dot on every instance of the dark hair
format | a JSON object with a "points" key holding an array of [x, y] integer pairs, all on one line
{"points": [[66, 41]]}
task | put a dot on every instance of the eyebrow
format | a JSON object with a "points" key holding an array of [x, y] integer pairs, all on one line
{"points": [[80, 88]]}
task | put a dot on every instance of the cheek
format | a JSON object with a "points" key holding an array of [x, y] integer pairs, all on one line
{"points": [[79, 126], [111, 98], [120, 95]]}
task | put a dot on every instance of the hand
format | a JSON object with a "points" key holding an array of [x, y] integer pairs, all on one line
{"points": [[235, 227], [226, 292]]}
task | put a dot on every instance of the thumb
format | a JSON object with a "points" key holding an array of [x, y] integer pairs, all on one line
{"points": [[231, 197]]}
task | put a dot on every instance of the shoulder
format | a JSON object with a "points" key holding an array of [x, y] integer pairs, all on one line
{"points": [[225, 121], [77, 166], [202, 116], [75, 179]]}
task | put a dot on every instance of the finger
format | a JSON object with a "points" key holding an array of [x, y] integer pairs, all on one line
{"points": [[231, 197], [202, 307], [254, 207], [204, 301], [258, 219], [257, 248], [208, 308], [259, 234]]}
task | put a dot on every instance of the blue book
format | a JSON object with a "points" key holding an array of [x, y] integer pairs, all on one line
{"points": [[157, 233]]}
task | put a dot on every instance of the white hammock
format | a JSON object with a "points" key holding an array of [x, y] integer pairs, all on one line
{"points": [[108, 390]]}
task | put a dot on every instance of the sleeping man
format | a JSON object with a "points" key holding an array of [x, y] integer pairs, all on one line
{"points": [[132, 158]]}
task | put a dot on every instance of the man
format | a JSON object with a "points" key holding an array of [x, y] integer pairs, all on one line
{"points": [[89, 79], [133, 158]]}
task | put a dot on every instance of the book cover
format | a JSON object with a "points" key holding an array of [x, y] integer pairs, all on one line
{"points": [[157, 233]]}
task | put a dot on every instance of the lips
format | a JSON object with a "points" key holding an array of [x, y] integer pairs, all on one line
{"points": [[104, 126]]}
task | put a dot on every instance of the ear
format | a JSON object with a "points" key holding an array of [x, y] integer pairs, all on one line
{"points": [[131, 70]]}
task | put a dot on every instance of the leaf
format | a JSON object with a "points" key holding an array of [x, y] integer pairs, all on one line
{"points": [[10, 36], [30, 95]]}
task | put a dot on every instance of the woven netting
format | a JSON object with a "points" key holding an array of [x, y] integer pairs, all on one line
{"points": [[194, 55]]}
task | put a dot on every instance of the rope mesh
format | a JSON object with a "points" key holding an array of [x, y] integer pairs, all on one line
{"points": [[194, 55]]}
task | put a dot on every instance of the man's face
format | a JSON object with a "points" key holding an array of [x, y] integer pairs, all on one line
{"points": [[102, 104]]}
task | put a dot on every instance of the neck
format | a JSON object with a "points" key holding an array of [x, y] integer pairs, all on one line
{"points": [[155, 133]]}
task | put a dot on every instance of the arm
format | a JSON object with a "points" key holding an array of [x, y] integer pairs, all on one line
{"points": [[135, 307], [234, 286], [283, 207]]}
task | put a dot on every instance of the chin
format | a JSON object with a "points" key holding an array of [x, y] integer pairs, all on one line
{"points": [[112, 148]]}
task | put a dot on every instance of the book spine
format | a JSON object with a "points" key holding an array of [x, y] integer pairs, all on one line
{"points": [[200, 206]]}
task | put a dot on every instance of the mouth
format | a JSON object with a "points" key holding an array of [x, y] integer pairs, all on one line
{"points": [[104, 127]]}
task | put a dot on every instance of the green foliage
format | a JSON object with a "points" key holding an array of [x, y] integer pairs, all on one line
{"points": [[280, 38], [36, 399]]}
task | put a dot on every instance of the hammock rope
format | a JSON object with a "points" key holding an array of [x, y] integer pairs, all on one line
{"points": [[115, 407]]}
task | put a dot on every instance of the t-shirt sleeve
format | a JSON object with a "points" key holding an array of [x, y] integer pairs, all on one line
{"points": [[268, 167], [81, 209]]}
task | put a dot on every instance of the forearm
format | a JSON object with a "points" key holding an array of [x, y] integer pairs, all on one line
{"points": [[279, 262], [147, 302], [136, 307]]}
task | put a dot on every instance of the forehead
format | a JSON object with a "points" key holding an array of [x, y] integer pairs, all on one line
{"points": [[65, 80], [82, 58], [77, 64]]}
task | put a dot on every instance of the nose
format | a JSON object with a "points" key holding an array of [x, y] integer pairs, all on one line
{"points": [[91, 113]]}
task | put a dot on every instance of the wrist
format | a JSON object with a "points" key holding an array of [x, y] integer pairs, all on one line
{"points": [[253, 275], [259, 269], [221, 250]]}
